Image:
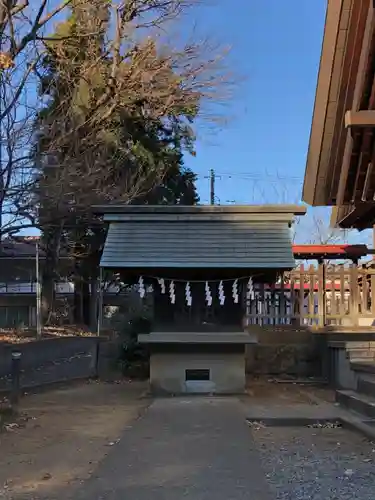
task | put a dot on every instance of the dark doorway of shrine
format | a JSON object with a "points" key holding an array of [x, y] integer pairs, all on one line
{"points": [[201, 315]]}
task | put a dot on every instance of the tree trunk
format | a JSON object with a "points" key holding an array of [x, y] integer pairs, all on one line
{"points": [[51, 245], [77, 301], [94, 304], [81, 301], [86, 302]]}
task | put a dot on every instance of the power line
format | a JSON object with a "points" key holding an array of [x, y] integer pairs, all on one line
{"points": [[264, 185], [255, 176]]}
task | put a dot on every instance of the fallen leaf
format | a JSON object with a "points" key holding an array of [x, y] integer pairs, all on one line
{"points": [[11, 427]]}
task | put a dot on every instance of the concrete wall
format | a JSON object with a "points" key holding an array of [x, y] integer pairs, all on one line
{"points": [[341, 374], [53, 360], [227, 371], [283, 351], [303, 352]]}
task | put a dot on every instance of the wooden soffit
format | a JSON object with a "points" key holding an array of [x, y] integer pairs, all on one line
{"points": [[326, 100], [345, 55], [360, 216]]}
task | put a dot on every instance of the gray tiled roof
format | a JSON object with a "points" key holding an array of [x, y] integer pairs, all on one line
{"points": [[198, 244], [204, 237]]}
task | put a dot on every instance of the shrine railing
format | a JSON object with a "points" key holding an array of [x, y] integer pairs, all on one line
{"points": [[335, 295]]}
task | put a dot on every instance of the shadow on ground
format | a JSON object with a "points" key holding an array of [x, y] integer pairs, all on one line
{"points": [[63, 435]]}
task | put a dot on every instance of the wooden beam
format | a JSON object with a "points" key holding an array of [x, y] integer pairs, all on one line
{"points": [[359, 119], [367, 184], [362, 73], [348, 78], [336, 25]]}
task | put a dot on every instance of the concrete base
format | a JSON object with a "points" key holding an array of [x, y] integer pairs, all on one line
{"points": [[345, 377], [226, 372]]}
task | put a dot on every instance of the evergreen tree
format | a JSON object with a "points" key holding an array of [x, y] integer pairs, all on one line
{"points": [[133, 157]]}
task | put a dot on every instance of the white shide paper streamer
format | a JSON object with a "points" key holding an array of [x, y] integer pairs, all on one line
{"points": [[141, 287], [221, 293], [172, 294], [235, 291], [208, 294], [188, 294], [162, 285], [250, 290]]}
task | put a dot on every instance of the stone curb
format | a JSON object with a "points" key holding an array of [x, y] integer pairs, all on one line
{"points": [[293, 421], [355, 424], [350, 421], [47, 386]]}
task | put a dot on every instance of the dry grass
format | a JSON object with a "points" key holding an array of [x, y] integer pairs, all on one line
{"points": [[18, 335]]}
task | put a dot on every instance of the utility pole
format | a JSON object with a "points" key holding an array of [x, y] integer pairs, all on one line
{"points": [[212, 178], [2, 103], [212, 186], [38, 295]]}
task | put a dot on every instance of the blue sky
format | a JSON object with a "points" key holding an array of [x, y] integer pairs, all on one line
{"points": [[260, 156], [275, 49]]}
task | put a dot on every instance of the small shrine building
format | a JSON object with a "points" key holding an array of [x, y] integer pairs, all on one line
{"points": [[202, 263]]}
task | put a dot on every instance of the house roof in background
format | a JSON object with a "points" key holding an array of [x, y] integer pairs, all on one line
{"points": [[21, 247]]}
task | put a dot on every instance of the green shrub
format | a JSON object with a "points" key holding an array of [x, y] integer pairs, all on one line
{"points": [[134, 357]]}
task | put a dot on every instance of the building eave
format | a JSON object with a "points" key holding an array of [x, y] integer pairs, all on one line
{"points": [[326, 99], [199, 209]]}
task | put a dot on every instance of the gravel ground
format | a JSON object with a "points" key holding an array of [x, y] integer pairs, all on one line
{"points": [[317, 464]]}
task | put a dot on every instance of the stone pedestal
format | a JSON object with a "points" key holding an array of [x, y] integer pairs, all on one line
{"points": [[200, 363]]}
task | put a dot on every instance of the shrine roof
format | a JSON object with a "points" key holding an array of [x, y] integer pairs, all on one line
{"points": [[199, 237], [267, 209]]}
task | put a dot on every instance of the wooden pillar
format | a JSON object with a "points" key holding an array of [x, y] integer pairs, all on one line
{"points": [[282, 302], [322, 292], [301, 294], [354, 286], [100, 302]]}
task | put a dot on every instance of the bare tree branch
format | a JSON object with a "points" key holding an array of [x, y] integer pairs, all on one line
{"points": [[135, 74]]}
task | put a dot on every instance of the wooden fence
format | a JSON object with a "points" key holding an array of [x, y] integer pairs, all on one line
{"points": [[321, 296]]}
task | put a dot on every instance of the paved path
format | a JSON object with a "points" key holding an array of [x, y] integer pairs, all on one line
{"points": [[197, 448]]}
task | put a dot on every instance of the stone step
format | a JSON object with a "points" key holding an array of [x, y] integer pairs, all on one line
{"points": [[366, 384], [354, 354], [363, 366], [360, 345], [360, 348], [359, 403]]}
